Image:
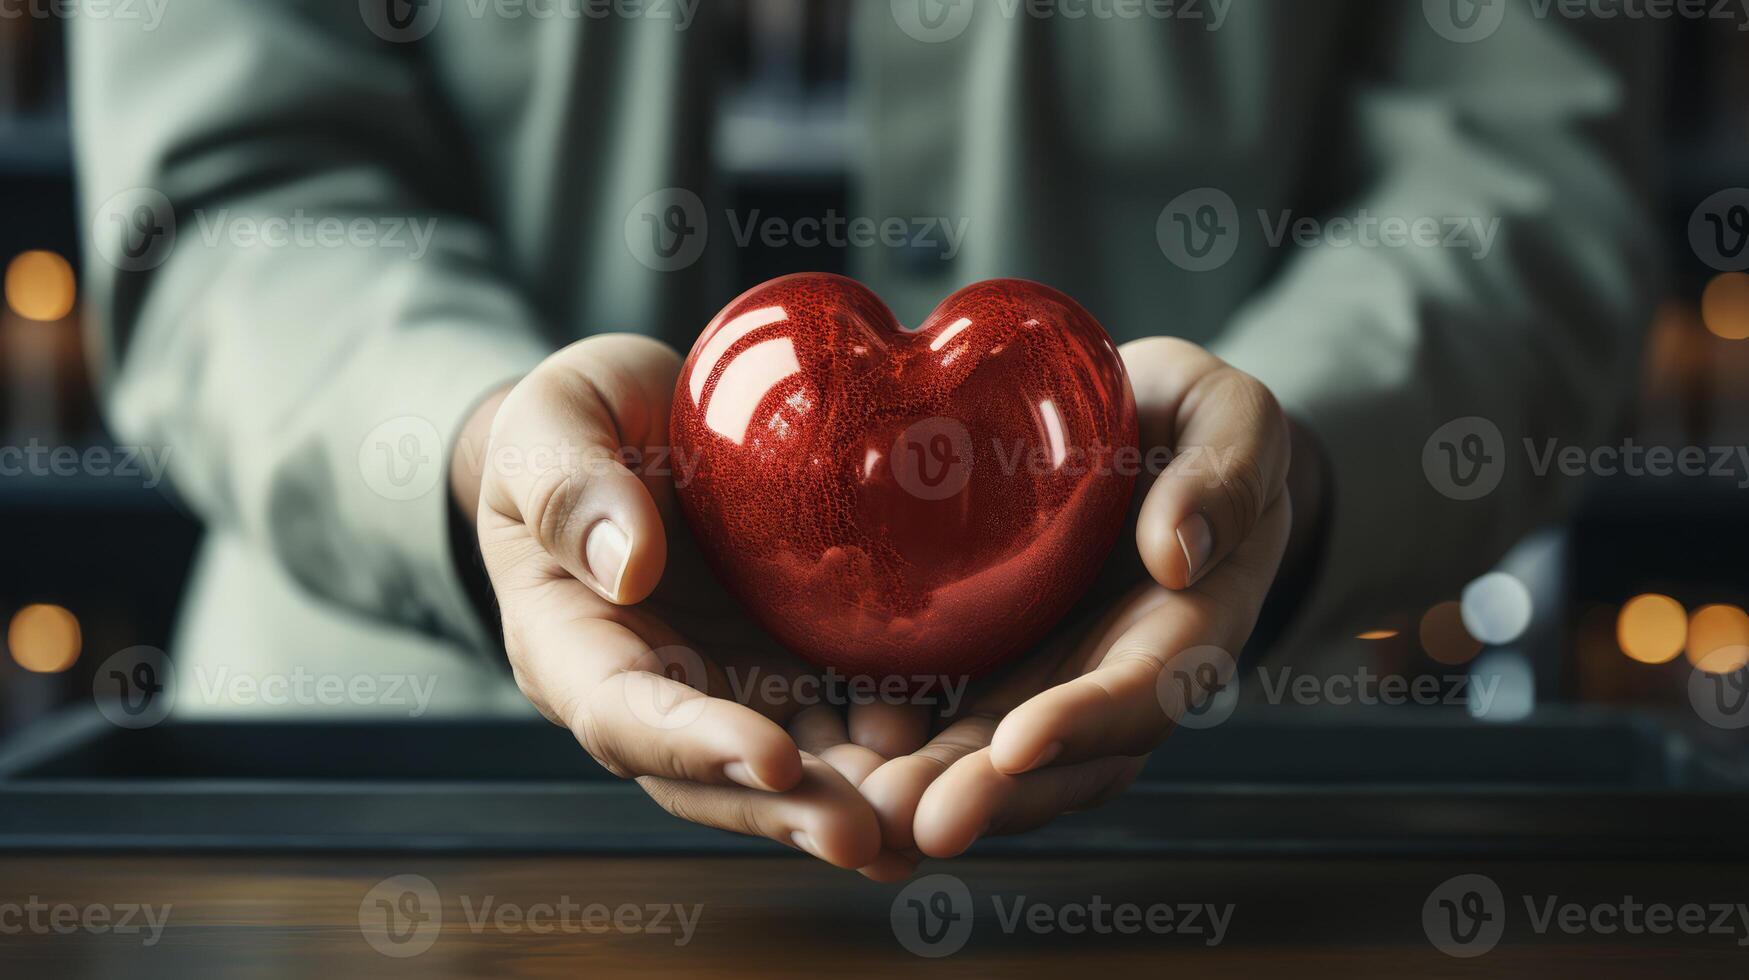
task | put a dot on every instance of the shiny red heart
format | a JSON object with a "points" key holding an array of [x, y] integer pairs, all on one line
{"points": [[895, 503]]}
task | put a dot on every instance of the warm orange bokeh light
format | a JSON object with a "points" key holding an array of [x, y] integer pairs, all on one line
{"points": [[1725, 306], [40, 286], [44, 639], [1376, 635], [1652, 628], [1718, 639], [1444, 637]]}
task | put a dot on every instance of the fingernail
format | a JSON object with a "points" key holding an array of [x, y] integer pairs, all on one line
{"points": [[608, 551], [1046, 757], [801, 839], [740, 772], [1197, 538]]}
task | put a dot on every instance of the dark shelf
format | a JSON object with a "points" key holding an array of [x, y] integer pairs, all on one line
{"points": [[36, 146], [1568, 783]]}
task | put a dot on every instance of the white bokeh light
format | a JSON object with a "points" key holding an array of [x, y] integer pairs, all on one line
{"points": [[1496, 608], [1502, 686]]}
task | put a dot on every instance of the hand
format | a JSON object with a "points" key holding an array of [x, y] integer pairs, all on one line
{"points": [[595, 575], [1070, 726]]}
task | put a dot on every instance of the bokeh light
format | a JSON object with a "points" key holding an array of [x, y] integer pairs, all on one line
{"points": [[1444, 636], [1725, 306], [1652, 628], [1376, 635], [1502, 686], [40, 286], [44, 639], [1496, 608], [1718, 639]]}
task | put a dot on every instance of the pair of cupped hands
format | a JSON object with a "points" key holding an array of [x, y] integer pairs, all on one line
{"points": [[597, 582]]}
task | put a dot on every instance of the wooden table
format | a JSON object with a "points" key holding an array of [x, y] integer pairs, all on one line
{"points": [[248, 916]]}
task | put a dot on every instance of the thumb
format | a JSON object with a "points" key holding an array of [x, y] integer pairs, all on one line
{"points": [[1230, 460], [559, 451]]}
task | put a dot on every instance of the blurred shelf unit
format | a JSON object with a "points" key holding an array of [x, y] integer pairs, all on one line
{"points": [[128, 484], [1698, 168], [37, 145], [33, 96], [765, 139]]}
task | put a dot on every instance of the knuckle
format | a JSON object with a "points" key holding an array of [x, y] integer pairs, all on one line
{"points": [[1150, 346], [1144, 658], [586, 728], [520, 404], [556, 495], [547, 508], [669, 760], [623, 382], [747, 815], [1166, 350], [1259, 401], [613, 393], [1244, 490], [1166, 363], [941, 756]]}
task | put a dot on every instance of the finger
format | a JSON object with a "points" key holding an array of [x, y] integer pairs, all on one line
{"points": [[559, 448], [895, 789], [972, 799], [817, 727], [601, 681], [889, 729], [822, 814], [819, 731], [1116, 709], [892, 866], [1230, 444]]}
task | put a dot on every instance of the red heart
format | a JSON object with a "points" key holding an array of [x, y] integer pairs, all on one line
{"points": [[919, 504]]}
